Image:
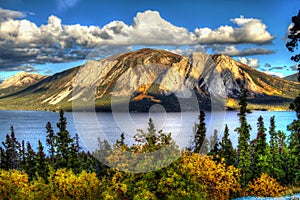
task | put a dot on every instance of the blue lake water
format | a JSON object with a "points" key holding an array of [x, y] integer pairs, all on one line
{"points": [[30, 125]]}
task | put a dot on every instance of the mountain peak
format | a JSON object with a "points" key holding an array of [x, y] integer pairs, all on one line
{"points": [[21, 79]]}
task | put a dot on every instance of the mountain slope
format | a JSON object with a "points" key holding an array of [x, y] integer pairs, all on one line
{"points": [[293, 77], [146, 77]]}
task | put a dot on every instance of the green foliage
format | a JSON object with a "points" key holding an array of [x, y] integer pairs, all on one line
{"points": [[226, 149], [259, 161], [243, 161], [294, 37], [200, 142]]}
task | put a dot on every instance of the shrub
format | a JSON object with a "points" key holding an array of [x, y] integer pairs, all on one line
{"points": [[265, 186]]}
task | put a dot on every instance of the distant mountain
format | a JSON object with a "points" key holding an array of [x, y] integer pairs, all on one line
{"points": [[293, 77], [21, 79], [142, 78]]}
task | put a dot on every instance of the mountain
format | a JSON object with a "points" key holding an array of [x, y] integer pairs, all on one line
{"points": [[137, 80], [293, 77], [21, 79], [18, 82]]}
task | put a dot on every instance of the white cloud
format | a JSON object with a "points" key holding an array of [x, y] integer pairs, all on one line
{"points": [[251, 62], [249, 30], [231, 50], [23, 42], [10, 14]]}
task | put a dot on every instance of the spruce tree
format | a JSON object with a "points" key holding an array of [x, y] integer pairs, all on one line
{"points": [[275, 168], [214, 148], [259, 153], [50, 141], [11, 146], [226, 149], [200, 141], [30, 156], [41, 164], [63, 143], [243, 158]]}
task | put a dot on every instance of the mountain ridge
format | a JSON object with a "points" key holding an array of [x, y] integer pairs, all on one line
{"points": [[146, 77]]}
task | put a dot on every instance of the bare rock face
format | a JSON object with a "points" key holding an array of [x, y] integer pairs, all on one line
{"points": [[146, 77], [21, 79]]}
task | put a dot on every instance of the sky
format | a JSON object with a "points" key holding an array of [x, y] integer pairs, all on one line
{"points": [[50, 36]]}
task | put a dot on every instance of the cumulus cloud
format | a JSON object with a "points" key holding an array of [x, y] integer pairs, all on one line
{"points": [[231, 50], [248, 30], [251, 62], [10, 14], [23, 42]]}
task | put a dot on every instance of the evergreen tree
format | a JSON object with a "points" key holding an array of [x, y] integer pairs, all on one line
{"points": [[294, 127], [275, 168], [259, 155], [11, 146], [23, 155], [41, 162], [50, 141], [214, 146], [200, 141], [227, 151], [243, 159], [63, 143], [30, 162], [283, 160]]}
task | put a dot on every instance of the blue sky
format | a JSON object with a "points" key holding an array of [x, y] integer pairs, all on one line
{"points": [[50, 36]]}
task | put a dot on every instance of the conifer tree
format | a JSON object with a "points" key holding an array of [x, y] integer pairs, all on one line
{"points": [[50, 141], [243, 159], [30, 156], [12, 151], [258, 164], [284, 164], [63, 142], [214, 146], [41, 162], [275, 169], [226, 149], [200, 141]]}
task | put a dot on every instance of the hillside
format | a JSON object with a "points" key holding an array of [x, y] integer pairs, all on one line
{"points": [[293, 77], [146, 77]]}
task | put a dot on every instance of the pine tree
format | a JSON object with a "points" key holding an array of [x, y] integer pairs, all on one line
{"points": [[200, 141], [259, 153], [12, 151], [63, 143], [41, 162], [294, 144], [22, 155], [283, 160], [214, 146], [50, 141], [226, 149], [243, 161], [30, 156], [275, 169]]}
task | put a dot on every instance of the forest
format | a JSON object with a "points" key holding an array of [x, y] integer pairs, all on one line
{"points": [[208, 169]]}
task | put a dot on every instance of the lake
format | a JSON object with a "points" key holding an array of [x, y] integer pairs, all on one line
{"points": [[30, 125]]}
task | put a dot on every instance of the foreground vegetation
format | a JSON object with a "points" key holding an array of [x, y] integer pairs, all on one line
{"points": [[255, 168]]}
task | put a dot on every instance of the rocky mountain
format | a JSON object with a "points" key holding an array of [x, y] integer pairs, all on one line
{"points": [[21, 79], [137, 80], [293, 77]]}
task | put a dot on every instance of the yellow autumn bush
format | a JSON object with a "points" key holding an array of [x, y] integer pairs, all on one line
{"points": [[221, 181], [67, 185], [265, 186], [13, 184]]}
